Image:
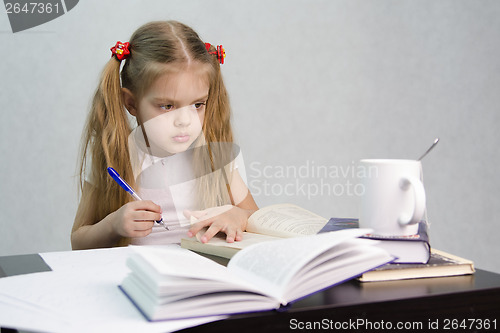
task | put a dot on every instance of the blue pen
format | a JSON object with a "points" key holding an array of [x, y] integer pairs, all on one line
{"points": [[116, 177]]}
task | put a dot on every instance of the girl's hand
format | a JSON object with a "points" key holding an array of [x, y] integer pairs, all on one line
{"points": [[229, 219], [136, 218]]}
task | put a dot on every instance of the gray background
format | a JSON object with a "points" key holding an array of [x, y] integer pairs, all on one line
{"points": [[312, 84]]}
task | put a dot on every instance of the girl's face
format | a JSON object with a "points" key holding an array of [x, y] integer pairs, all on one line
{"points": [[173, 110]]}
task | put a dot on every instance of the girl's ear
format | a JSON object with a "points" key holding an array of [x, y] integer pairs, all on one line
{"points": [[129, 101]]}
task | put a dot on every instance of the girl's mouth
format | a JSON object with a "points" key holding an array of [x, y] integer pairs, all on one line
{"points": [[181, 138]]}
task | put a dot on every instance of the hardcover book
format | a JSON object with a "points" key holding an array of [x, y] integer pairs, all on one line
{"points": [[407, 249], [440, 264]]}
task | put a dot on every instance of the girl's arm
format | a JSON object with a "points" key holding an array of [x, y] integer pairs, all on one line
{"points": [[134, 219]]}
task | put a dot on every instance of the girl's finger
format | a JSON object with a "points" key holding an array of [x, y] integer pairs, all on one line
{"points": [[230, 235], [146, 205], [142, 233], [239, 235], [211, 232], [146, 216], [143, 226], [195, 228]]}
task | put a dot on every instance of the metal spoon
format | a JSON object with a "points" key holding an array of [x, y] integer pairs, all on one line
{"points": [[430, 148]]}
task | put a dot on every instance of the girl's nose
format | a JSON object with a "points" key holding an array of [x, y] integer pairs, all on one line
{"points": [[182, 117]]}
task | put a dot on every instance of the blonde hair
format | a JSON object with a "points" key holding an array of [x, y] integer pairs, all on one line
{"points": [[105, 136]]}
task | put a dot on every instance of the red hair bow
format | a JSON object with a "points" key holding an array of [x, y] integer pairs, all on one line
{"points": [[219, 52], [121, 51]]}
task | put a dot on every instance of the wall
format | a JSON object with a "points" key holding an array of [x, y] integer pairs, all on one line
{"points": [[312, 83]]}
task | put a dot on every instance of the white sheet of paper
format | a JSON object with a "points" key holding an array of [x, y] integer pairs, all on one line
{"points": [[80, 294]]}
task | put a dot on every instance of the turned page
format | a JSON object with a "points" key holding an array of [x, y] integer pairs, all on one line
{"points": [[285, 220], [272, 265]]}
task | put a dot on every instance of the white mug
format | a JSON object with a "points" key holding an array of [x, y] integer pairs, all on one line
{"points": [[393, 201]]}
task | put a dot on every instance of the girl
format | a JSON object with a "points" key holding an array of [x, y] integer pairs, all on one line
{"points": [[180, 157]]}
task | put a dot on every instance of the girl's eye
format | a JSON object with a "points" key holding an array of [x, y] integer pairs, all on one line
{"points": [[198, 106], [167, 107]]}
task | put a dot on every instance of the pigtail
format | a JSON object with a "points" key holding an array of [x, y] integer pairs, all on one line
{"points": [[218, 127], [113, 122], [218, 137], [105, 142]]}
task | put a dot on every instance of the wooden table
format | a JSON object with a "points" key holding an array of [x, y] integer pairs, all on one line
{"points": [[455, 304]]}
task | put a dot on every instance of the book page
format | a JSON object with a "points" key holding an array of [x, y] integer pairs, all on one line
{"points": [[285, 220], [273, 272]]}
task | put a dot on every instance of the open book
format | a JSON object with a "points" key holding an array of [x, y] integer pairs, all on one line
{"points": [[170, 282], [268, 223]]}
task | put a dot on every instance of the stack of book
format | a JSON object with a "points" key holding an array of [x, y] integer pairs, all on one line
{"points": [[413, 255], [286, 254]]}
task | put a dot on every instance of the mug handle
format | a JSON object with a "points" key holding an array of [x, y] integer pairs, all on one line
{"points": [[419, 206]]}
